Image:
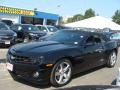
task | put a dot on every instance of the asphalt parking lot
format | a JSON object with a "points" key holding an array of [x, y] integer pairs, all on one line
{"points": [[98, 76]]}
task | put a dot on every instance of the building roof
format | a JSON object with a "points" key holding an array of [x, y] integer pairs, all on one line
{"points": [[96, 22]]}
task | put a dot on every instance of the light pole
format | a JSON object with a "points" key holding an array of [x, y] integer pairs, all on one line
{"points": [[59, 10], [35, 9]]}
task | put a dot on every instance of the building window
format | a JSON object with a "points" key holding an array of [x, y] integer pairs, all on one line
{"points": [[38, 21], [51, 22], [31, 20], [26, 20]]}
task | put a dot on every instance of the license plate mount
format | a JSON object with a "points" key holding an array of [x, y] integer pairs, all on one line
{"points": [[7, 42], [9, 66]]}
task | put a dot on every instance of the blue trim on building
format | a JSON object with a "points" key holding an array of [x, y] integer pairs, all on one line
{"points": [[46, 15]]}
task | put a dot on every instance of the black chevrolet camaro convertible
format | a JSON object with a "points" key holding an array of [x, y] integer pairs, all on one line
{"points": [[61, 55]]}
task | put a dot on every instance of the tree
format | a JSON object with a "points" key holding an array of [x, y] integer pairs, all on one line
{"points": [[89, 13], [77, 17], [69, 20], [116, 17]]}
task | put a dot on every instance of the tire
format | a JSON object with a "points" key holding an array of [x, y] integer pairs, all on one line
{"points": [[112, 59], [57, 72]]}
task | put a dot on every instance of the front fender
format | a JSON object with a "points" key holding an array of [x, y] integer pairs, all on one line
{"points": [[53, 57]]}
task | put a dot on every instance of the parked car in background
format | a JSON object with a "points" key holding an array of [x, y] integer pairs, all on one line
{"points": [[7, 36], [61, 55], [47, 28], [8, 22], [27, 32]]}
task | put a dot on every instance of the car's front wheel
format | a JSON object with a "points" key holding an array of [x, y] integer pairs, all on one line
{"points": [[61, 73], [112, 59]]}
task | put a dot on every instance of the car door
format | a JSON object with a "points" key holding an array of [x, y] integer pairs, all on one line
{"points": [[93, 53]]}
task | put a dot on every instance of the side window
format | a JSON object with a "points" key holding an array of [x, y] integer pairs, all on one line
{"points": [[97, 39], [44, 29], [90, 39], [94, 39], [39, 28]]}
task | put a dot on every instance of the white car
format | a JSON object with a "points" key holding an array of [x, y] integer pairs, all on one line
{"points": [[47, 28]]}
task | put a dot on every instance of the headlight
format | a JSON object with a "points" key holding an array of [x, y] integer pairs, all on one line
{"points": [[37, 60], [31, 34], [15, 35]]}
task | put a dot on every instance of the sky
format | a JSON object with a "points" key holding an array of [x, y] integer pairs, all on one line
{"points": [[105, 8]]}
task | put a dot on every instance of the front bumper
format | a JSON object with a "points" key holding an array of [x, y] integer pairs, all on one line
{"points": [[27, 71], [7, 40], [30, 38], [34, 38], [19, 40]]}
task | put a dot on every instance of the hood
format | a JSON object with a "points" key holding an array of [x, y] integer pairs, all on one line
{"points": [[37, 47], [6, 33], [39, 33], [36, 32]]}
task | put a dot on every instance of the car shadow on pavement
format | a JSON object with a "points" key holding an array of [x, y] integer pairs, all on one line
{"points": [[2, 61], [20, 80], [87, 72], [113, 82], [91, 87], [4, 47]]}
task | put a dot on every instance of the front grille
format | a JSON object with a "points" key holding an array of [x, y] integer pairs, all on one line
{"points": [[22, 73], [21, 59], [6, 37]]}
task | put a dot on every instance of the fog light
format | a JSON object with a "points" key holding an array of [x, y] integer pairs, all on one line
{"points": [[36, 74]]}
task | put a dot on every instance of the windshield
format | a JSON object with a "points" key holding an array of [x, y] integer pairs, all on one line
{"points": [[16, 27], [66, 37], [30, 28], [3, 26], [24, 27], [42, 28], [52, 29]]}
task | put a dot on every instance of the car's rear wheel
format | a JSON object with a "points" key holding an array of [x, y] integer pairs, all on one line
{"points": [[61, 73], [112, 59]]}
